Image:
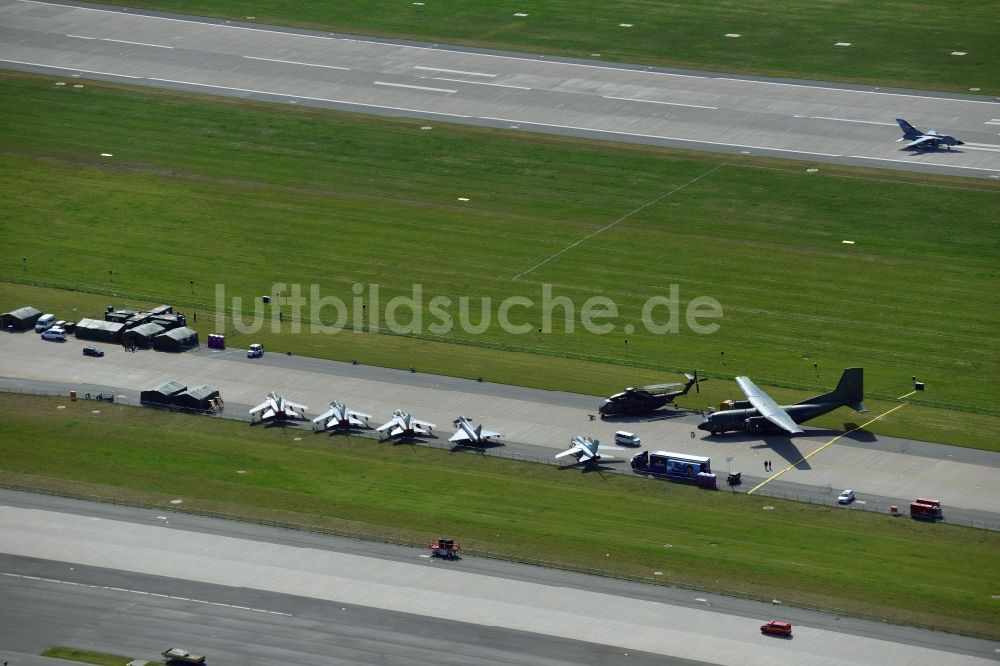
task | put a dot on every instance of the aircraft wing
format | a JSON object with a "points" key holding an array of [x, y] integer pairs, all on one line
{"points": [[576, 448], [386, 426], [325, 415], [418, 422], [268, 414], [261, 406], [295, 405], [486, 434], [460, 436], [767, 407], [358, 415], [922, 140]]}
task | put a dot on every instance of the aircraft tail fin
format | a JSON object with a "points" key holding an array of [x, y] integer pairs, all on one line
{"points": [[848, 392], [907, 128]]}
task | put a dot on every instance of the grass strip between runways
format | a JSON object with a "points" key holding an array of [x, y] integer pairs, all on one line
{"points": [[863, 563]]}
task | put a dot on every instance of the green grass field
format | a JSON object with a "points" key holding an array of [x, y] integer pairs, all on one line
{"points": [[86, 656], [248, 195], [792, 38], [853, 560]]}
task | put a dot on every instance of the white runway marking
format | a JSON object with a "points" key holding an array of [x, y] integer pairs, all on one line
{"points": [[651, 101], [80, 37], [293, 96], [453, 71], [865, 92], [620, 219], [657, 136], [988, 147], [296, 62], [406, 85], [71, 69], [848, 120], [482, 83], [152, 594], [887, 159], [122, 41]]}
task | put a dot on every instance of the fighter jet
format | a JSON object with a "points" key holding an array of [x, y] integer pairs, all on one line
{"points": [[645, 399], [929, 140], [587, 450], [276, 408], [405, 426], [760, 413], [472, 436], [339, 416]]}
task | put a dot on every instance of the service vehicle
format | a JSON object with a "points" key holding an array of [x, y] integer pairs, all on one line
{"points": [[926, 509], [181, 656], [255, 351], [93, 351], [676, 467], [846, 497], [623, 438], [54, 334], [446, 548], [776, 628], [45, 322]]}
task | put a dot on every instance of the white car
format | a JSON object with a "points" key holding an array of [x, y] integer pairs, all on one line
{"points": [[55, 334], [846, 497], [623, 438]]}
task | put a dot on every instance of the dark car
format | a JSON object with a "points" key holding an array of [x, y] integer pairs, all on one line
{"points": [[93, 351]]}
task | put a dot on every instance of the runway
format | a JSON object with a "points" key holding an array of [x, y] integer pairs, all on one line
{"points": [[537, 423], [246, 594], [810, 121]]}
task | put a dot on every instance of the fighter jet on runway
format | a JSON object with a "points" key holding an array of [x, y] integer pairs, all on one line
{"points": [[925, 140], [645, 398], [587, 450], [339, 416], [760, 413], [276, 408], [468, 435], [405, 426]]}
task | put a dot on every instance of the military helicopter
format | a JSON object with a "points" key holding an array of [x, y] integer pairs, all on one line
{"points": [[644, 399]]}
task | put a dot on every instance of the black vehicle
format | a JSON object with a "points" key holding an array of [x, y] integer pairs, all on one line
{"points": [[93, 351], [645, 399]]}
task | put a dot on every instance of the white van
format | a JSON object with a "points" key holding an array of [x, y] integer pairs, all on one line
{"points": [[623, 438], [55, 334], [45, 322]]}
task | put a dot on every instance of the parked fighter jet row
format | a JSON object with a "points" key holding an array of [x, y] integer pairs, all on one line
{"points": [[758, 414], [403, 425]]}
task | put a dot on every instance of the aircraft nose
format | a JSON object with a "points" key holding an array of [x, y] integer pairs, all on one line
{"points": [[703, 425]]}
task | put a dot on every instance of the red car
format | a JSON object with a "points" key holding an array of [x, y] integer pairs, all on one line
{"points": [[776, 627]]}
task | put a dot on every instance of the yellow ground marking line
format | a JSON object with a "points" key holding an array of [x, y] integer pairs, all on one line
{"points": [[906, 396], [808, 456]]}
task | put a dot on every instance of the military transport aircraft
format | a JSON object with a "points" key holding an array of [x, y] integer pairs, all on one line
{"points": [[645, 398], [472, 436], [405, 426], [276, 408], [925, 140], [760, 413], [587, 450], [339, 416]]}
